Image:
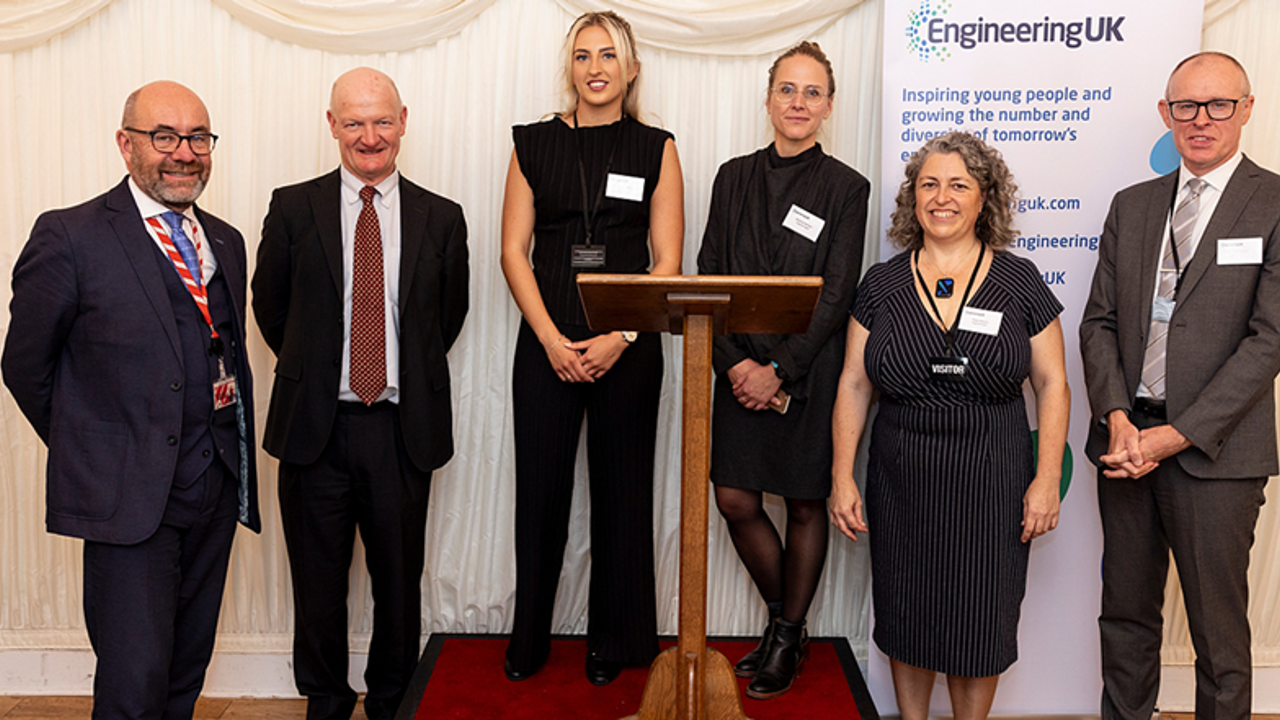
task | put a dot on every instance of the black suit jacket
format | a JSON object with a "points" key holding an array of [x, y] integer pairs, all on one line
{"points": [[92, 359], [1224, 336], [297, 299]]}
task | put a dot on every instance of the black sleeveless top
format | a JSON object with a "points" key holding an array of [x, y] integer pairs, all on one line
{"points": [[548, 153]]}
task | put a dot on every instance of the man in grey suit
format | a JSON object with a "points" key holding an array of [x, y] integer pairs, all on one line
{"points": [[1181, 346], [126, 352], [360, 290]]}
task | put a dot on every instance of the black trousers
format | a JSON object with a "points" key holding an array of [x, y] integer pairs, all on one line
{"points": [[152, 608], [363, 480], [1209, 525], [621, 409]]}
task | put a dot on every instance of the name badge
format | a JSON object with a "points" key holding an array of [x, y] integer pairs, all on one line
{"points": [[1162, 309], [948, 369], [1240, 251], [986, 322], [804, 222], [224, 392], [625, 187], [587, 256]]}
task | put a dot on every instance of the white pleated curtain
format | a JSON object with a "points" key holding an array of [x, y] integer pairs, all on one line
{"points": [[468, 70]]}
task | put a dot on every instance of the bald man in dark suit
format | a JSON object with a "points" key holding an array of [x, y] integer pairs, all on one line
{"points": [[361, 409], [126, 352], [1181, 346]]}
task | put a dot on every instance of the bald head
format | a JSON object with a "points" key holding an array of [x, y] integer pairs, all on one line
{"points": [[162, 93], [367, 119], [363, 82], [1211, 61]]}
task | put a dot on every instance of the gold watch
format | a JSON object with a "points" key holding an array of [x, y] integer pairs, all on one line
{"points": [[630, 336]]}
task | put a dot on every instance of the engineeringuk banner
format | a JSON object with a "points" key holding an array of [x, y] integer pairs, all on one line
{"points": [[1067, 91]]}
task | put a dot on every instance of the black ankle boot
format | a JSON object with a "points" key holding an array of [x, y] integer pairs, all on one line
{"points": [[787, 651], [750, 663]]}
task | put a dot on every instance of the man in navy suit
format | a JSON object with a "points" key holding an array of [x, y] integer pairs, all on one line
{"points": [[126, 353], [1181, 346], [360, 290]]}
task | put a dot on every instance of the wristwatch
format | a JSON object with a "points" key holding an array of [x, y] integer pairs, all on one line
{"points": [[630, 336], [777, 370]]}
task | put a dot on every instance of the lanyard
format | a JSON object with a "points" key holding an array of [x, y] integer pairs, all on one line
{"points": [[950, 332], [1173, 244], [196, 287], [589, 209]]}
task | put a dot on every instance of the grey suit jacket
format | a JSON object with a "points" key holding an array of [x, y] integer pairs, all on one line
{"points": [[297, 300], [1224, 336], [93, 359]]}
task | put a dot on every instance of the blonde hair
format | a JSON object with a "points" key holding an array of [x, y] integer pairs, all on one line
{"points": [[624, 43], [809, 50]]}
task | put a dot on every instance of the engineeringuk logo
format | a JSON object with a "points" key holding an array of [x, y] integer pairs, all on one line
{"points": [[917, 30]]}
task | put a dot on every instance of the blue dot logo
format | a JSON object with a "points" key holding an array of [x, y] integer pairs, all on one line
{"points": [[1164, 155], [917, 40]]}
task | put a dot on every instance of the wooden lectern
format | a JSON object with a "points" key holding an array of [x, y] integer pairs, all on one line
{"points": [[688, 681]]}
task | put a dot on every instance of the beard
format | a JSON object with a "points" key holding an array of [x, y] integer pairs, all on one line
{"points": [[179, 195]]}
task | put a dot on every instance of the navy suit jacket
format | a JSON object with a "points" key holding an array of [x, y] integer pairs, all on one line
{"points": [[297, 300], [92, 359]]}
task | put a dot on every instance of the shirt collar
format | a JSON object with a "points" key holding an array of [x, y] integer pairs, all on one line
{"points": [[352, 185], [1216, 178], [149, 207]]}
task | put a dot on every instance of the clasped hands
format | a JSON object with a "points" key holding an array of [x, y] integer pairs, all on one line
{"points": [[1133, 453], [585, 360], [755, 385]]}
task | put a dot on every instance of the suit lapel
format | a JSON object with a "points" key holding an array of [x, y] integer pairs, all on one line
{"points": [[140, 249], [326, 207], [1235, 197], [413, 232], [231, 272]]}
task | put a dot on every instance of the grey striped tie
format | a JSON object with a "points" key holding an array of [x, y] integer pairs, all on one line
{"points": [[1184, 225]]}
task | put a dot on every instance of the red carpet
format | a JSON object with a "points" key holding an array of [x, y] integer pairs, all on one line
{"points": [[461, 677]]}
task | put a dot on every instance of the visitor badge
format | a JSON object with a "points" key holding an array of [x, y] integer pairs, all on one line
{"points": [[1240, 251], [986, 322], [625, 187], [804, 222], [948, 369]]}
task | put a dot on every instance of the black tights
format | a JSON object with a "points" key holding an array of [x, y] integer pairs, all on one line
{"points": [[787, 574]]}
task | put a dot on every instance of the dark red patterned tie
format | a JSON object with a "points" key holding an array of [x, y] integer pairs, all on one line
{"points": [[368, 306]]}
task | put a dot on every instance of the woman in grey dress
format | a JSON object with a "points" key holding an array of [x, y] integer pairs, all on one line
{"points": [[787, 209]]}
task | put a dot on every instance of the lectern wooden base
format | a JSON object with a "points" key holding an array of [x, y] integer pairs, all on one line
{"points": [[662, 701]]}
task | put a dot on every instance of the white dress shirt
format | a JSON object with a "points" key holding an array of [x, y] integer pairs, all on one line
{"points": [[386, 203]]}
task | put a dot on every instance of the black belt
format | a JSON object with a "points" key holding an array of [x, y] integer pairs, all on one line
{"points": [[349, 407], [1154, 409]]}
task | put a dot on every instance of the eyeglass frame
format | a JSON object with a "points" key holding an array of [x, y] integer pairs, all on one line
{"points": [[776, 94], [1235, 106], [151, 135]]}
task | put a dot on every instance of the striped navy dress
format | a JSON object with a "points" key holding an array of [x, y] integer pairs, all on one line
{"points": [[949, 463]]}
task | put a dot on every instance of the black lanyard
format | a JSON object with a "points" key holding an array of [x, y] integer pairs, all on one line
{"points": [[589, 210], [1173, 244], [951, 331]]}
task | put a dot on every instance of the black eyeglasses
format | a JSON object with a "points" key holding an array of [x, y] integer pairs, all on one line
{"points": [[167, 141], [1187, 110]]}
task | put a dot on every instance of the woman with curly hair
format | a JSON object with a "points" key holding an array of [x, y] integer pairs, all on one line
{"points": [[946, 332]]}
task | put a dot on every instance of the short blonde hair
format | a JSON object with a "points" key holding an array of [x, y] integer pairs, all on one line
{"points": [[624, 42]]}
